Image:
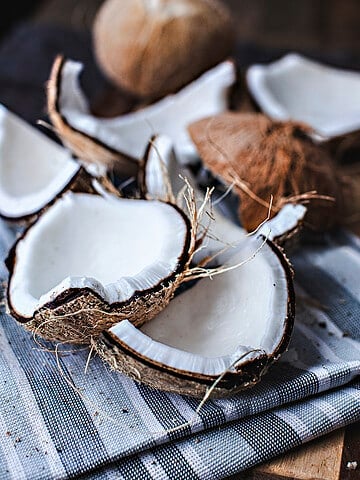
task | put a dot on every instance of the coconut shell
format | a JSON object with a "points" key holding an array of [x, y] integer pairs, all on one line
{"points": [[78, 315], [121, 358], [86, 148], [152, 48], [265, 158]]}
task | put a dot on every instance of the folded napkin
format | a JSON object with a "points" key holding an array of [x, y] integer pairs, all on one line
{"points": [[59, 421]]}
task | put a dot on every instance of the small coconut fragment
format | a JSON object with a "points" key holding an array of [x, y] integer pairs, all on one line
{"points": [[154, 47], [297, 88], [265, 158], [90, 261], [34, 170], [120, 142], [233, 326]]}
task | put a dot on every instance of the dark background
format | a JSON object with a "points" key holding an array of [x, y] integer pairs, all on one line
{"points": [[33, 32], [326, 25]]}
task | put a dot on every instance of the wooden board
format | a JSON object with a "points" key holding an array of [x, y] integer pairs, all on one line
{"points": [[325, 458]]}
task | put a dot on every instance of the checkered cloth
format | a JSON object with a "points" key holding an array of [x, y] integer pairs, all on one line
{"points": [[57, 422]]}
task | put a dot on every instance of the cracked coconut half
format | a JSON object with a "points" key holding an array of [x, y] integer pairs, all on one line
{"points": [[222, 334], [120, 142], [91, 260]]}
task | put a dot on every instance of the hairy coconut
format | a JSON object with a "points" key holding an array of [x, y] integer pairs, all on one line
{"points": [[154, 47], [265, 158]]}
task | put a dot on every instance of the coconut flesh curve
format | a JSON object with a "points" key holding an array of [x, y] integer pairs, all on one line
{"points": [[233, 324], [34, 170], [91, 260], [105, 140], [296, 88]]}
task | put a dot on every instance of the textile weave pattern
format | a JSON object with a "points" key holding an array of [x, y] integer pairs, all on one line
{"points": [[58, 422]]}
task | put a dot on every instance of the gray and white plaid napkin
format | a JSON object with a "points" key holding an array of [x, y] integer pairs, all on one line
{"points": [[58, 422]]}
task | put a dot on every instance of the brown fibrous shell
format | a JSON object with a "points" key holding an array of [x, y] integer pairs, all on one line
{"points": [[264, 158]]}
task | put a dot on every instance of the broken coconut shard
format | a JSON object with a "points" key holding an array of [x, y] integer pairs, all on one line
{"points": [[244, 309], [296, 88], [120, 142], [90, 261], [34, 170]]}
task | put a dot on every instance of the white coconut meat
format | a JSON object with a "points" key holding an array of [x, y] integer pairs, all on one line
{"points": [[33, 168], [112, 246], [208, 329], [295, 88], [129, 133]]}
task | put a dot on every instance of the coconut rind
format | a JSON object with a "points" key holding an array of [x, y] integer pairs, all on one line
{"points": [[125, 360], [88, 149], [122, 359], [80, 315]]}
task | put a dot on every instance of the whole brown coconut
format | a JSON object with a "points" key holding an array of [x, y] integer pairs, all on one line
{"points": [[265, 158], [154, 47]]}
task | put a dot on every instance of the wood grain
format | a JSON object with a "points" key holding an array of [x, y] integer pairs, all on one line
{"points": [[318, 460]]}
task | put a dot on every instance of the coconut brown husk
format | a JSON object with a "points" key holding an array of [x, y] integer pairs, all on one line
{"points": [[154, 48], [80, 315], [265, 158]]}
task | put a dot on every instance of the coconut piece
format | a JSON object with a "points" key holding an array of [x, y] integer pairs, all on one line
{"points": [[296, 88], [155, 47], [90, 261], [232, 326], [265, 158], [120, 142], [34, 170], [161, 177]]}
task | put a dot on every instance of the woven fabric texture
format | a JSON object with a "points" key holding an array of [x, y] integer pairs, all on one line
{"points": [[58, 422]]}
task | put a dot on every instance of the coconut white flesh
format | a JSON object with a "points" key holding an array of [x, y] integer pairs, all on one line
{"points": [[112, 245], [287, 220], [209, 327], [163, 175], [33, 168], [299, 89], [129, 134]]}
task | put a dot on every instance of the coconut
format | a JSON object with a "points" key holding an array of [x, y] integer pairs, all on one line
{"points": [[300, 89], [120, 142], [220, 336], [161, 177], [152, 48], [263, 158], [124, 260], [34, 170]]}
